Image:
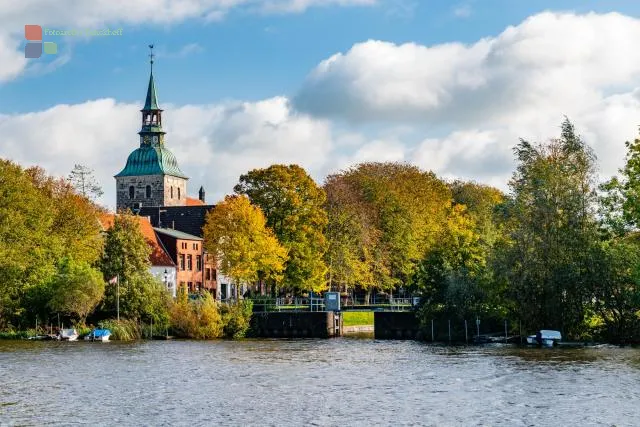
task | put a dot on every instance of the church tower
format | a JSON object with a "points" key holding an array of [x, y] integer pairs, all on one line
{"points": [[151, 177]]}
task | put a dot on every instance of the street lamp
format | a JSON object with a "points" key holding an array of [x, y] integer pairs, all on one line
{"points": [[166, 280]]}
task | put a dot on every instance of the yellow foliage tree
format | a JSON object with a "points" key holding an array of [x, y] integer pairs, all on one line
{"points": [[247, 250]]}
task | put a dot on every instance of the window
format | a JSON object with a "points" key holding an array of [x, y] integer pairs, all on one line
{"points": [[182, 262], [208, 274], [148, 191], [132, 191], [198, 263], [215, 275], [190, 286], [189, 262], [198, 286], [178, 193], [172, 192]]}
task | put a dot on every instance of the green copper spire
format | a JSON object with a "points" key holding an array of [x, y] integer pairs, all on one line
{"points": [[151, 102]]}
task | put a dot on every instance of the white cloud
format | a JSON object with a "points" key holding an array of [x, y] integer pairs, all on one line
{"points": [[214, 144], [469, 104]]}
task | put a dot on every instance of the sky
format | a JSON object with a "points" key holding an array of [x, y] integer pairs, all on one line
{"points": [[449, 86]]}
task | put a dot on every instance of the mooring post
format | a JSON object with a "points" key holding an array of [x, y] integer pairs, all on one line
{"points": [[520, 331], [466, 335], [432, 336], [505, 331], [449, 331]]}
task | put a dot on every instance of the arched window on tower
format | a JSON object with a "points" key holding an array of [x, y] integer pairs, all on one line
{"points": [[148, 191], [178, 193], [132, 191], [172, 192]]}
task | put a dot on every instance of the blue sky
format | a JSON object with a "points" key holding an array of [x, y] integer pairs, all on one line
{"points": [[449, 86], [251, 56]]}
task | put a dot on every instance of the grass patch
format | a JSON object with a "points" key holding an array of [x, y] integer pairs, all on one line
{"points": [[357, 318]]}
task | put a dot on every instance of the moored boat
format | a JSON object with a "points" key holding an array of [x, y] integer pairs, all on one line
{"points": [[545, 338], [68, 335], [98, 335]]}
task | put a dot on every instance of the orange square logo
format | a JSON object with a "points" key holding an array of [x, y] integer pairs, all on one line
{"points": [[33, 32]]}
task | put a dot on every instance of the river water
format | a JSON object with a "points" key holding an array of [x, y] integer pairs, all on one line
{"points": [[344, 381]]}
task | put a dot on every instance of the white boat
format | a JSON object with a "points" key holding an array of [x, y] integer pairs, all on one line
{"points": [[68, 335], [545, 338], [98, 335]]}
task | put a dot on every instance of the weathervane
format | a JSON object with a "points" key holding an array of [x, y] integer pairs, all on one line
{"points": [[151, 56]]}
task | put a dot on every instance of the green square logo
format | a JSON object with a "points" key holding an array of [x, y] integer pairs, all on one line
{"points": [[50, 48]]}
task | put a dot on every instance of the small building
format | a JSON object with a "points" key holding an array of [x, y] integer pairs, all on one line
{"points": [[196, 270]]}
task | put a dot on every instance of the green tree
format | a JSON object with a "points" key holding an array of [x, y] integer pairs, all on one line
{"points": [[554, 227], [77, 289], [42, 222], [615, 271], [246, 249], [293, 206], [126, 256]]}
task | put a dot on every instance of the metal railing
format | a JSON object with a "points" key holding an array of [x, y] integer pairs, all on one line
{"points": [[288, 304], [262, 304]]}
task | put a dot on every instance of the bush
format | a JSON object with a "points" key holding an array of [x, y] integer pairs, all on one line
{"points": [[16, 335], [123, 330], [199, 319], [236, 318]]}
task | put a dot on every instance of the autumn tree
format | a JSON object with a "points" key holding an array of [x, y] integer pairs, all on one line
{"points": [[383, 219], [246, 249], [293, 206]]}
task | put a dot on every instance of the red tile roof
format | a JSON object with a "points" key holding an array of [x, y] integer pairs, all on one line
{"points": [[159, 256], [194, 202]]}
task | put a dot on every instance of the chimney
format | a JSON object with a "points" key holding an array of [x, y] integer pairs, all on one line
{"points": [[201, 194]]}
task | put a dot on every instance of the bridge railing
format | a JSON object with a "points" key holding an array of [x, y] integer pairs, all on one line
{"points": [[288, 304], [262, 304]]}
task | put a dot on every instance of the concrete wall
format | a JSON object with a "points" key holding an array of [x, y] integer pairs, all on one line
{"points": [[395, 325], [295, 325]]}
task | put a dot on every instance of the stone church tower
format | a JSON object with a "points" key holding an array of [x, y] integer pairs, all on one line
{"points": [[151, 177]]}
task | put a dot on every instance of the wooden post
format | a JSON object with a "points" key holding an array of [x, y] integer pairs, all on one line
{"points": [[432, 336], [505, 331], [449, 331], [466, 336]]}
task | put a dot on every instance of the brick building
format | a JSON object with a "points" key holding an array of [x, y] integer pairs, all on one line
{"points": [[195, 269]]}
